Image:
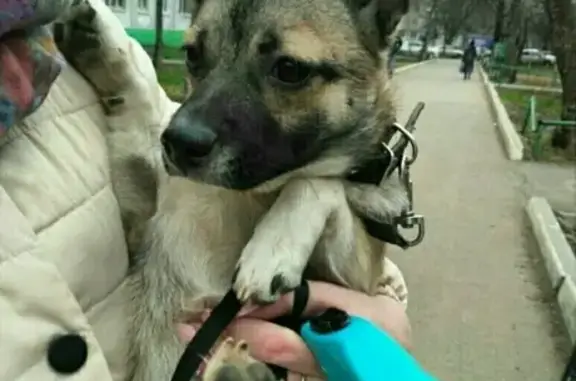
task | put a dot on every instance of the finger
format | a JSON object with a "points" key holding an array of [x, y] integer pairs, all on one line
{"points": [[273, 344], [247, 310], [186, 332]]}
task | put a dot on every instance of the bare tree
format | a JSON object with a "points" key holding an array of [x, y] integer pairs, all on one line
{"points": [[429, 10], [448, 18], [158, 41], [452, 16], [512, 22], [516, 34], [562, 17], [499, 7]]}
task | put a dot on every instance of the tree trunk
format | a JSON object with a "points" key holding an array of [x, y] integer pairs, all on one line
{"points": [[499, 21], [563, 22], [513, 31], [158, 42], [516, 50]]}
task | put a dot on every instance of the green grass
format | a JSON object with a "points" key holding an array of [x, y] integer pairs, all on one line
{"points": [[401, 59], [172, 79], [538, 75], [171, 38], [170, 53], [535, 75], [548, 106]]}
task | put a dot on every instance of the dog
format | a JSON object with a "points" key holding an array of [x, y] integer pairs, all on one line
{"points": [[246, 187]]}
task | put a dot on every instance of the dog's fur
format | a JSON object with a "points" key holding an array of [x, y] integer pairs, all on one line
{"points": [[269, 200]]}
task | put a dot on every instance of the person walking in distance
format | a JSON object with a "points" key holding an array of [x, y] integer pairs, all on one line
{"points": [[394, 49], [467, 66]]}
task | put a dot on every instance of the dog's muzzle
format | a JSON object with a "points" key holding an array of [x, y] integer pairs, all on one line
{"points": [[186, 142]]}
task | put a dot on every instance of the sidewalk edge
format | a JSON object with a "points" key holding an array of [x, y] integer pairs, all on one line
{"points": [[411, 66], [559, 259], [510, 137]]}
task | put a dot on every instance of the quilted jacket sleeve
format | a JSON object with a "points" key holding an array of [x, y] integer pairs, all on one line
{"points": [[44, 333], [62, 252]]}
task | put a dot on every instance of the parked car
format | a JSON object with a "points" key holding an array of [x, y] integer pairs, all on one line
{"points": [[414, 47], [549, 58], [538, 57], [411, 47], [453, 52], [531, 56]]}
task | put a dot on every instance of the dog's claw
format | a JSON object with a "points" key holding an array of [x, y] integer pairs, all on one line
{"points": [[258, 289]]}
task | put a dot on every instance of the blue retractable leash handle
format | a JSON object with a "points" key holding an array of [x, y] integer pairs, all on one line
{"points": [[350, 348]]}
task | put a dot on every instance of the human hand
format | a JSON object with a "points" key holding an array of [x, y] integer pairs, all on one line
{"points": [[273, 344]]}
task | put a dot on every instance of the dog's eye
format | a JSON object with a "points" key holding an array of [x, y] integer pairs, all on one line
{"points": [[195, 62], [291, 72], [192, 53]]}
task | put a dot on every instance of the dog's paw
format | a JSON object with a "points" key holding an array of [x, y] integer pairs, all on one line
{"points": [[265, 273], [94, 43], [232, 362], [273, 261]]}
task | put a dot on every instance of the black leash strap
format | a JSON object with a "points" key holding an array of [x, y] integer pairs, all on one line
{"points": [[301, 296], [293, 321], [570, 371], [199, 347]]}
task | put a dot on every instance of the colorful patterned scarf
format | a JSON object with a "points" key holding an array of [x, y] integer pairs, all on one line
{"points": [[29, 59]]}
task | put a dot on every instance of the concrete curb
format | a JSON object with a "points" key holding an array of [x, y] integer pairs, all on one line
{"points": [[511, 139], [537, 89], [558, 257]]}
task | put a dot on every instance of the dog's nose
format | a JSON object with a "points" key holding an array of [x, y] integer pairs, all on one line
{"points": [[185, 143]]}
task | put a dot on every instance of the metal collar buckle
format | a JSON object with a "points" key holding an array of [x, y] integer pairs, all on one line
{"points": [[402, 158]]}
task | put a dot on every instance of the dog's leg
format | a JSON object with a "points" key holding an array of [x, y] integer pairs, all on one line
{"points": [[158, 288], [313, 222], [274, 259], [94, 42]]}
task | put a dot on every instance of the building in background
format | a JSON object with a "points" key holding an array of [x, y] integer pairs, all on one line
{"points": [[139, 14]]}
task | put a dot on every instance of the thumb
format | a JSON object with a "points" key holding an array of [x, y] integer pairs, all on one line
{"points": [[274, 344]]}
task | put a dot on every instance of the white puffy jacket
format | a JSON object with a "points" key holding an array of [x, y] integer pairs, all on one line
{"points": [[63, 257]]}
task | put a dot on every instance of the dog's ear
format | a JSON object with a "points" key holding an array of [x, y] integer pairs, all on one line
{"points": [[378, 19], [193, 7]]}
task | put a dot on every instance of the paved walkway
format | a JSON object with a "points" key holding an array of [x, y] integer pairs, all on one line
{"points": [[480, 304]]}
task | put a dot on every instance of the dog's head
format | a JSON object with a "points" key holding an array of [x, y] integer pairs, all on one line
{"points": [[281, 87]]}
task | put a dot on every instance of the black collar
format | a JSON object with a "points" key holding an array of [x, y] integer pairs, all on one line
{"points": [[390, 159], [374, 172]]}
